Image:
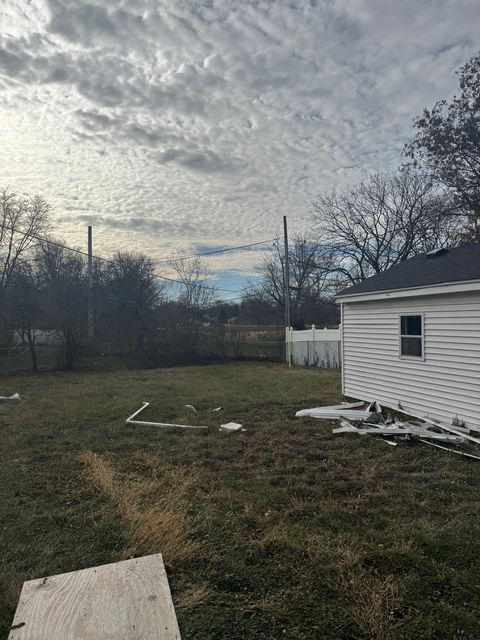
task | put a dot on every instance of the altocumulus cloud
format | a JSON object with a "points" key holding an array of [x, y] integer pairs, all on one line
{"points": [[172, 123]]}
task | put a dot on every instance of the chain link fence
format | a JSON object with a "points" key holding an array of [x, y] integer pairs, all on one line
{"points": [[214, 344], [19, 358]]}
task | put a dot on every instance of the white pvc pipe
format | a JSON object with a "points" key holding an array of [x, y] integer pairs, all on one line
{"points": [[131, 420], [144, 406]]}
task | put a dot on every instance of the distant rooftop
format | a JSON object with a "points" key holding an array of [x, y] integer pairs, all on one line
{"points": [[432, 268]]}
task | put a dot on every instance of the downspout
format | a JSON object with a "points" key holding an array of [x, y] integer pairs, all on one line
{"points": [[342, 363]]}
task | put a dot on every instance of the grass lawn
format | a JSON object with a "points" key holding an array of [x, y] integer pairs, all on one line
{"points": [[273, 533]]}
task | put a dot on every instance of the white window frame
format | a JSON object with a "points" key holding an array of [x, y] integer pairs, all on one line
{"points": [[400, 336]]}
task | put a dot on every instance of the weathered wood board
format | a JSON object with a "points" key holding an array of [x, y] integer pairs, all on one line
{"points": [[127, 600]]}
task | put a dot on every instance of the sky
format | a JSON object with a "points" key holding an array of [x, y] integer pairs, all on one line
{"points": [[187, 125]]}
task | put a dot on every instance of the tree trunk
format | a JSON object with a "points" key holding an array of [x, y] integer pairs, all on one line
{"points": [[33, 352], [69, 351]]}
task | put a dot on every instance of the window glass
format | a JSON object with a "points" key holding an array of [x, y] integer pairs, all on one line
{"points": [[412, 347], [411, 325]]}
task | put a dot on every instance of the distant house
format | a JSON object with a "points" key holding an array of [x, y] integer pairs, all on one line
{"points": [[46, 337], [411, 336]]}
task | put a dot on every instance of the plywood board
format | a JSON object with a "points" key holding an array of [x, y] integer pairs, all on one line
{"points": [[127, 600]]}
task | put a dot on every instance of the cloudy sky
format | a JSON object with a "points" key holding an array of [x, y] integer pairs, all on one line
{"points": [[187, 124]]}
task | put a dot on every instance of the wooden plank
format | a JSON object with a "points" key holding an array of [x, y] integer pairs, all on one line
{"points": [[127, 600]]}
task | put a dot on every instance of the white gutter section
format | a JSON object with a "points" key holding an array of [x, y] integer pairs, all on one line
{"points": [[428, 290], [131, 420]]}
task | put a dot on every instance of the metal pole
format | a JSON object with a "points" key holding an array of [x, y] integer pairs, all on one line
{"points": [[90, 283], [287, 292]]}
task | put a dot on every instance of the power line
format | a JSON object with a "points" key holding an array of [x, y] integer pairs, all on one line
{"points": [[113, 262], [242, 296], [238, 297], [211, 253], [99, 258]]}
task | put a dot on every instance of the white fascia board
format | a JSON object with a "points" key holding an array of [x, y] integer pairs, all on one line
{"points": [[430, 290]]}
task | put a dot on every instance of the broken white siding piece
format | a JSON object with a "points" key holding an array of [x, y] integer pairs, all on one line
{"points": [[333, 407], [459, 431], [460, 453], [232, 426], [350, 410], [15, 396], [395, 431], [131, 420], [335, 414], [372, 429], [127, 600]]}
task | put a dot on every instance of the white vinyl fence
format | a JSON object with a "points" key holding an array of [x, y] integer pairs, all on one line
{"points": [[314, 347]]}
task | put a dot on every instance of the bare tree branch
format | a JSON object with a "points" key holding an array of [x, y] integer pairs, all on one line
{"points": [[384, 220]]}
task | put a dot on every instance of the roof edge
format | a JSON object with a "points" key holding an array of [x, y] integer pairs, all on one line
{"points": [[410, 292]]}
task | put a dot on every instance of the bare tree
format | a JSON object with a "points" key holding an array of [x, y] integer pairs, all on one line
{"points": [[195, 297], [384, 220], [24, 307], [129, 294], [21, 220], [310, 271], [63, 278]]}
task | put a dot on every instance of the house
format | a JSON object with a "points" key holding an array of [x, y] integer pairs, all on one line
{"points": [[411, 336]]}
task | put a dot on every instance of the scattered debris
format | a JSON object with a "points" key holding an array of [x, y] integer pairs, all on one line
{"points": [[232, 426], [217, 409], [459, 431], [460, 453], [355, 418], [398, 429], [131, 420], [15, 396], [190, 406], [337, 411]]}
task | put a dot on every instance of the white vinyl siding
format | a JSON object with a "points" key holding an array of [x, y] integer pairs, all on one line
{"points": [[444, 384]]}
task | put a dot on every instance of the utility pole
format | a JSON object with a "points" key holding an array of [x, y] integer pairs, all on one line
{"points": [[90, 284], [287, 292]]}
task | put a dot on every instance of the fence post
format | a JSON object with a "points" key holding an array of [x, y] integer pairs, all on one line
{"points": [[312, 353], [290, 345]]}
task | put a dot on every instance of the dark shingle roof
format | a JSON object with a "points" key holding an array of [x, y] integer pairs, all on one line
{"points": [[455, 265]]}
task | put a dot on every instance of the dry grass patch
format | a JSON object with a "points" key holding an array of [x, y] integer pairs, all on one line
{"points": [[192, 596], [154, 509], [375, 601]]}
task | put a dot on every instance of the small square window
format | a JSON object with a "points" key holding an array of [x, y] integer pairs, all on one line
{"points": [[411, 336]]}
